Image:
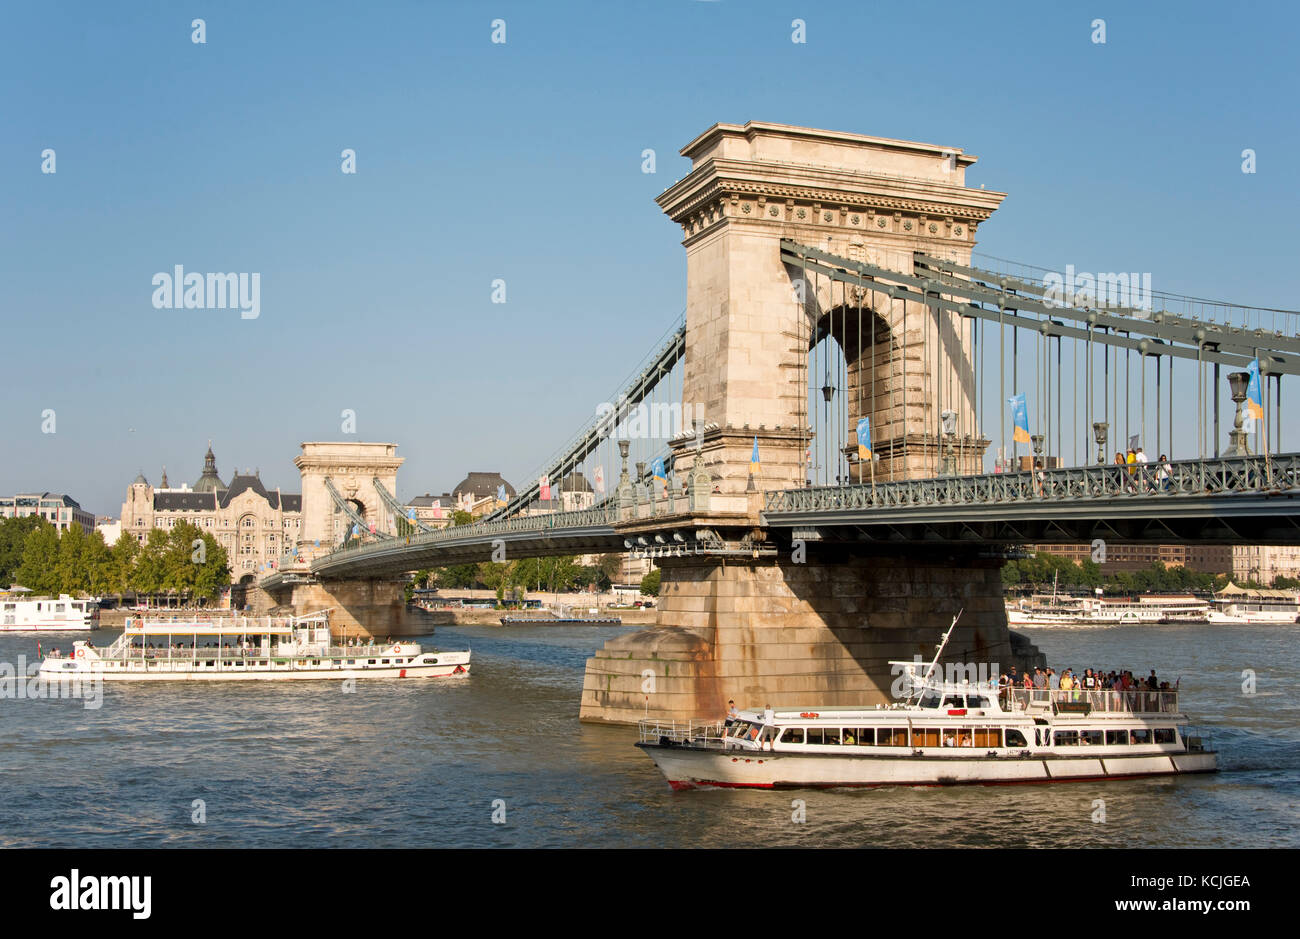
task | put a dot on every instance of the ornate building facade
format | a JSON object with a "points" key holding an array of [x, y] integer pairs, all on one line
{"points": [[255, 525]]}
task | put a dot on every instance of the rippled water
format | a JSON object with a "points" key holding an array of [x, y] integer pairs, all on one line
{"points": [[415, 764]]}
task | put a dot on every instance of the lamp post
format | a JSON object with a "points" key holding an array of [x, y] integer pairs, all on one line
{"points": [[1238, 439], [1099, 429], [1037, 441], [949, 418]]}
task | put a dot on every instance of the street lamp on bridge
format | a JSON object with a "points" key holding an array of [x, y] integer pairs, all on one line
{"points": [[1238, 439], [949, 418], [1099, 429]]}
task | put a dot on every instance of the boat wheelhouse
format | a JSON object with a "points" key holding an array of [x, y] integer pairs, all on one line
{"points": [[20, 612], [943, 733], [246, 648]]}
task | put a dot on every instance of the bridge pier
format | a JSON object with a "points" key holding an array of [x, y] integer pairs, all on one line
{"points": [[359, 608], [816, 634]]}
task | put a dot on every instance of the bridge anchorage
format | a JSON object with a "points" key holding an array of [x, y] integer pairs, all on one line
{"points": [[832, 292]]}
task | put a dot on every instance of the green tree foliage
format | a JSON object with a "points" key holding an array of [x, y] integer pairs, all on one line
{"points": [[650, 583], [551, 575], [39, 568], [1038, 573], [183, 561], [13, 536]]}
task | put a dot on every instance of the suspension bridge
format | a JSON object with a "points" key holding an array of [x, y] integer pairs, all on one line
{"points": [[824, 456]]}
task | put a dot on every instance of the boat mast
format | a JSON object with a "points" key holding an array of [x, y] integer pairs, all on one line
{"points": [[939, 651]]}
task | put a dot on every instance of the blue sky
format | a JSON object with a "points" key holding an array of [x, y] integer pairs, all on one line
{"points": [[522, 161]]}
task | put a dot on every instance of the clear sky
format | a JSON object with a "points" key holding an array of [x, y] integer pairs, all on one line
{"points": [[522, 161]]}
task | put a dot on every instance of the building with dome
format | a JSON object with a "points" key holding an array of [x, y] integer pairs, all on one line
{"points": [[255, 525]]}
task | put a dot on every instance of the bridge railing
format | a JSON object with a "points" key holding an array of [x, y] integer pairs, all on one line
{"points": [[1106, 481], [606, 513]]}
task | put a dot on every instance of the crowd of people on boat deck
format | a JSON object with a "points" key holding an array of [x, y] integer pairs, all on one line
{"points": [[1095, 686]]}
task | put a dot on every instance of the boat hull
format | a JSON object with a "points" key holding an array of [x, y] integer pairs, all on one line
{"points": [[699, 767]]}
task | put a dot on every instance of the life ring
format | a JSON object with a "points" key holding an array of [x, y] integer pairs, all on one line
{"points": [[397, 648], [808, 714], [81, 653]]}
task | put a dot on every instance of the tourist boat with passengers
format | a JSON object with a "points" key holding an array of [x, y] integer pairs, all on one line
{"points": [[20, 612], [945, 732], [246, 648]]}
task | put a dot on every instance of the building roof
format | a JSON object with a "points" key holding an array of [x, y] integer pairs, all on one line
{"points": [[483, 486], [445, 500], [184, 501], [209, 481]]}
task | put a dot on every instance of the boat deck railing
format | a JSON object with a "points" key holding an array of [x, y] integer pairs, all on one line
{"points": [[231, 653], [684, 731], [1118, 703]]}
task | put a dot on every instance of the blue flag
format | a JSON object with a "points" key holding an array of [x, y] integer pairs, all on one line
{"points": [[501, 492], [753, 459], [1254, 396], [1019, 418], [864, 439]]}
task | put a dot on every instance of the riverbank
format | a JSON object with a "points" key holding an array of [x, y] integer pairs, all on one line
{"points": [[116, 619]]}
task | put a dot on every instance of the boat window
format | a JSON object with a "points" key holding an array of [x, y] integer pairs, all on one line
{"points": [[792, 735], [964, 736], [1090, 738], [370, 661], [817, 735], [976, 701], [930, 700], [891, 736], [866, 736], [954, 701], [849, 737], [1015, 738], [1139, 736], [1116, 736], [58, 608], [925, 736], [988, 737], [385, 662], [1066, 738], [351, 662], [1164, 735], [739, 729]]}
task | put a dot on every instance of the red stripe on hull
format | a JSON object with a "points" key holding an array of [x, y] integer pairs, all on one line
{"points": [[681, 785]]}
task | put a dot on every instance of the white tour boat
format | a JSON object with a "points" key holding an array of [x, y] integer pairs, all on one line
{"points": [[1101, 611], [245, 648], [21, 613], [944, 733], [1238, 606]]}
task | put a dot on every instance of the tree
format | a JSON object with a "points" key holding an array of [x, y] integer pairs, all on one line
{"points": [[121, 563], [71, 571], [650, 583], [496, 576], [13, 537], [38, 570]]}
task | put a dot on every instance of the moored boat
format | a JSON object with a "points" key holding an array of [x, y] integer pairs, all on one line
{"points": [[943, 733], [246, 648], [20, 612]]}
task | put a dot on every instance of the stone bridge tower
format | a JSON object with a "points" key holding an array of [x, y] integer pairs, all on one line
{"points": [[752, 319], [352, 467], [753, 619]]}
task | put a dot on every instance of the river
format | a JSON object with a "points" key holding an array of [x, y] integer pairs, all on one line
{"points": [[429, 763]]}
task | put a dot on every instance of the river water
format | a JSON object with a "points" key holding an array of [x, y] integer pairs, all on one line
{"points": [[423, 763]]}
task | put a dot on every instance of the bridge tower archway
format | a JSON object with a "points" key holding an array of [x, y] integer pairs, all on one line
{"points": [[750, 317]]}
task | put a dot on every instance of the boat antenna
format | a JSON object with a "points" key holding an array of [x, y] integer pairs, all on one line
{"points": [[939, 650]]}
